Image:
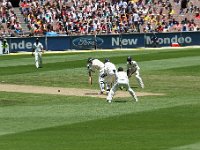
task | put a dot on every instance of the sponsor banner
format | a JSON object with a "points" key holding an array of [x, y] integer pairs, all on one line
{"points": [[130, 41], [58, 43], [190, 38], [121, 41], [61, 43], [166, 39], [107, 41], [135, 40], [23, 44], [86, 42]]}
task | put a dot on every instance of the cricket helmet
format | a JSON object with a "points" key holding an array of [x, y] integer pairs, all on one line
{"points": [[106, 60], [129, 58], [90, 60]]}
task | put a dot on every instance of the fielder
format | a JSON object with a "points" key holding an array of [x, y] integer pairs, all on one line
{"points": [[121, 82], [37, 51], [92, 66], [5, 46], [109, 73], [133, 68]]}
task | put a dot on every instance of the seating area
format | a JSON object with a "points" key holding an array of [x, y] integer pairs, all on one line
{"points": [[83, 17], [9, 23]]}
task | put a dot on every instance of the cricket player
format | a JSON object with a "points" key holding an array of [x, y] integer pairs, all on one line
{"points": [[5, 46], [37, 51], [133, 68], [96, 65], [122, 82], [109, 73]]}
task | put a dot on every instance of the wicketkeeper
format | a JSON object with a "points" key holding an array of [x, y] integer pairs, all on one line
{"points": [[122, 82], [133, 68]]}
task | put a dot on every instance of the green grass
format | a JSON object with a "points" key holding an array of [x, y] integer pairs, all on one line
{"points": [[41, 121], [167, 128]]}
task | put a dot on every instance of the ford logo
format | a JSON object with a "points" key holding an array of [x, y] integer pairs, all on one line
{"points": [[87, 42]]}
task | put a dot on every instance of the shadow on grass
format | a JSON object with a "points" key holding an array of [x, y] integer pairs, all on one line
{"points": [[92, 93], [134, 87], [9, 102], [119, 101]]}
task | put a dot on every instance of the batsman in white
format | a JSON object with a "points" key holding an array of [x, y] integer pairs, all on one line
{"points": [[133, 68], [92, 66], [37, 51], [122, 82], [109, 73]]}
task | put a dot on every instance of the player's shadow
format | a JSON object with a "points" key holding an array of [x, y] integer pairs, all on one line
{"points": [[94, 93], [120, 101], [134, 87]]}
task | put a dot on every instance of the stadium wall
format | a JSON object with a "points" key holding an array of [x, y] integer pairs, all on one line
{"points": [[64, 43]]}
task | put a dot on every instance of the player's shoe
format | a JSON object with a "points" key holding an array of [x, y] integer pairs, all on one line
{"points": [[109, 101], [100, 93]]}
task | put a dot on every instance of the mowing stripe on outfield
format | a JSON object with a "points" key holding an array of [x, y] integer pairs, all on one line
{"points": [[116, 57], [154, 129], [170, 63], [195, 146]]}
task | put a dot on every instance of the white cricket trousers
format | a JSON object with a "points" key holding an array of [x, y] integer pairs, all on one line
{"points": [[101, 81], [139, 79], [116, 87], [38, 59]]}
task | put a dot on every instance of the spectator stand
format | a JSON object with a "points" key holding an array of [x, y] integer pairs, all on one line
{"points": [[84, 17]]}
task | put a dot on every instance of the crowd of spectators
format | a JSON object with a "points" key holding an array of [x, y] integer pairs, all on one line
{"points": [[9, 23], [79, 17]]}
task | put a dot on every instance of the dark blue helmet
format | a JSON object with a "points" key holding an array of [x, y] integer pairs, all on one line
{"points": [[90, 60], [129, 58], [106, 60]]}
